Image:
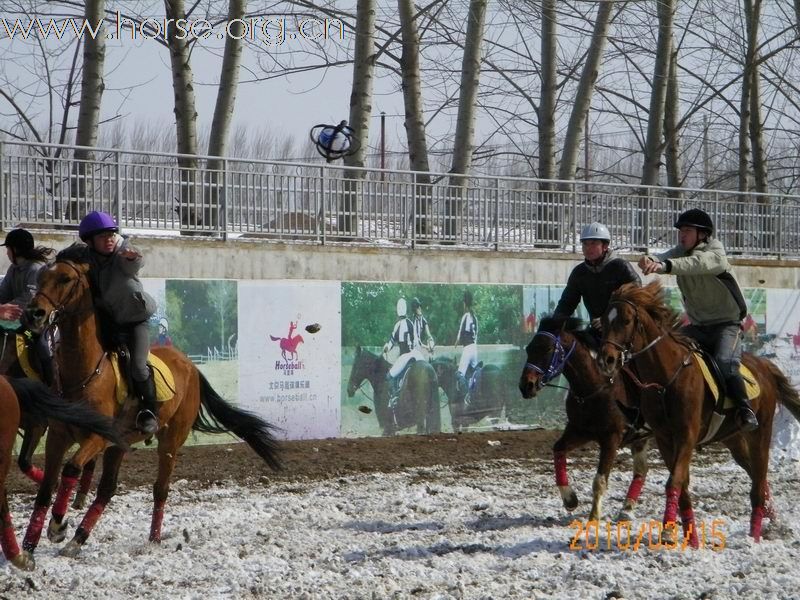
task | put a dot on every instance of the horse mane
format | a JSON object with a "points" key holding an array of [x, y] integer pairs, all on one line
{"points": [[651, 299], [74, 253]]}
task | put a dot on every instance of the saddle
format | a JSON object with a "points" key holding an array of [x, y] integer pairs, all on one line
{"points": [[715, 384], [26, 355]]}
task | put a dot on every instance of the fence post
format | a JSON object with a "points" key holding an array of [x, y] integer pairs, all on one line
{"points": [[223, 205], [496, 213], [573, 221], [321, 209], [414, 210], [118, 178], [648, 208], [4, 200], [778, 229]]}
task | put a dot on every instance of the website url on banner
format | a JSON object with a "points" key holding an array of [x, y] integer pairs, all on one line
{"points": [[273, 30]]}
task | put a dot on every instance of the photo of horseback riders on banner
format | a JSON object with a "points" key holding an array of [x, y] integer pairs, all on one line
{"points": [[429, 358]]}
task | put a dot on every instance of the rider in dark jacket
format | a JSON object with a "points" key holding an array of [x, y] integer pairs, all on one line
{"points": [[596, 278]]}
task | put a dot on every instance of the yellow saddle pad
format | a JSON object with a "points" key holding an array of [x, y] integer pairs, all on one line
{"points": [[165, 382], [750, 383], [24, 359]]}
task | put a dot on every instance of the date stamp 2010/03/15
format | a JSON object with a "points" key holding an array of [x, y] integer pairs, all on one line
{"points": [[653, 535]]}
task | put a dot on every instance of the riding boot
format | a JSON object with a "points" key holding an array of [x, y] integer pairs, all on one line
{"points": [[461, 385], [394, 390], [147, 418], [745, 417]]}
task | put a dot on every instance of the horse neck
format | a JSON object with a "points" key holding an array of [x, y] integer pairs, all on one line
{"points": [[581, 369], [79, 348], [665, 354], [376, 373]]}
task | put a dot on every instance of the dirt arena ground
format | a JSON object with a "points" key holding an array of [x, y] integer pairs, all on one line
{"points": [[311, 460]]}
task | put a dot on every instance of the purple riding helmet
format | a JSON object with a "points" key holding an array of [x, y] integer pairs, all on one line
{"points": [[96, 222]]}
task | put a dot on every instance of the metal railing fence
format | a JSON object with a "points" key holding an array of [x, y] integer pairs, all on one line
{"points": [[45, 185]]}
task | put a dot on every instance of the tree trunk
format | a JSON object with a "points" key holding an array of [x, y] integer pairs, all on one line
{"points": [[223, 109], [415, 120], [655, 119], [360, 113], [583, 97], [548, 215], [92, 86], [185, 118], [465, 122], [672, 139]]}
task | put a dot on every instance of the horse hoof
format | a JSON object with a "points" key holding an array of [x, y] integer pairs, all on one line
{"points": [[56, 532], [569, 498], [79, 502], [24, 561], [625, 515], [71, 550]]}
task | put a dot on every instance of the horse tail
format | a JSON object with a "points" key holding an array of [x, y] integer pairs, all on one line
{"points": [[223, 417], [787, 394], [41, 403], [274, 339]]}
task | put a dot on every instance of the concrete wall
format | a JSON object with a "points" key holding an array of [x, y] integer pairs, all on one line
{"points": [[173, 257]]}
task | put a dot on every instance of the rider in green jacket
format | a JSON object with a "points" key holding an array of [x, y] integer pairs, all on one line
{"points": [[713, 300]]}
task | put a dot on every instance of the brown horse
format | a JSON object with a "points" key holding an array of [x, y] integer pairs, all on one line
{"points": [[594, 409], [33, 427], [19, 396], [640, 328], [85, 371]]}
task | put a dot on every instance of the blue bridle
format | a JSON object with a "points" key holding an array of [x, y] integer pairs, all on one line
{"points": [[558, 359]]}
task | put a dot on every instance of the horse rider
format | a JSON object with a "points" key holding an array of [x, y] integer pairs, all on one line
{"points": [[713, 300], [114, 265], [20, 284], [403, 337], [467, 337], [422, 332], [600, 274]]}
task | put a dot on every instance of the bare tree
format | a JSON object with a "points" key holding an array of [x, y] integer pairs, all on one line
{"points": [[465, 122], [226, 102], [92, 86]]}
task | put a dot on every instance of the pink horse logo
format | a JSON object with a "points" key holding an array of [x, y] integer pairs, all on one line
{"points": [[290, 343]]}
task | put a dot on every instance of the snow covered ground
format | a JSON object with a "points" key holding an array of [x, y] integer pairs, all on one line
{"points": [[489, 530]]}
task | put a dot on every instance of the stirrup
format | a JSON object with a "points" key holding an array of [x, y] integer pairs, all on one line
{"points": [[146, 421], [746, 419]]}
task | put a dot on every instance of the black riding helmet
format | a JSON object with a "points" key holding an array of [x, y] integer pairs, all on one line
{"points": [[695, 217], [415, 304]]}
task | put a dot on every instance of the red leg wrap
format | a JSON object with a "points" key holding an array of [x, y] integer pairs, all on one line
{"points": [[34, 532], [689, 527], [671, 511], [8, 540], [63, 497], [155, 524], [635, 488], [35, 474], [755, 523], [91, 517], [560, 463]]}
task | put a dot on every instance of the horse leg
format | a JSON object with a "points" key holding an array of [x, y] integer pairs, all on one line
{"points": [[112, 459], [30, 439], [88, 451], [687, 518], [167, 457], [755, 466], [55, 448], [84, 485], [568, 441], [608, 452], [640, 468]]}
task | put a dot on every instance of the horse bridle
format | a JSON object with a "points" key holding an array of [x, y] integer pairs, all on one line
{"points": [[559, 357], [626, 349]]}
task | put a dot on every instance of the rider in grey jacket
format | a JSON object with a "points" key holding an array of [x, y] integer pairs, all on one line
{"points": [[713, 300]]}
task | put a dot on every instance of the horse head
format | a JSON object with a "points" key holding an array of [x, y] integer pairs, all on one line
{"points": [[446, 374], [630, 324], [64, 289], [547, 354], [358, 372]]}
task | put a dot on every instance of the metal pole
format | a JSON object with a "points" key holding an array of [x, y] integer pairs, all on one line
{"points": [[383, 145]]}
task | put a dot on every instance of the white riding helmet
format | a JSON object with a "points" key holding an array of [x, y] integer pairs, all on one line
{"points": [[596, 231], [401, 307]]}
